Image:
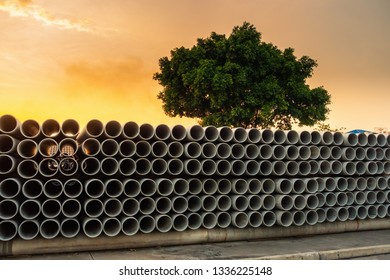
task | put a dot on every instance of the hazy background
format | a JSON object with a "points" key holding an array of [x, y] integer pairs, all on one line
{"points": [[89, 59]]}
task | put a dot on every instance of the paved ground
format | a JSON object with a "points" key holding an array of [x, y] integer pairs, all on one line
{"points": [[353, 245]]}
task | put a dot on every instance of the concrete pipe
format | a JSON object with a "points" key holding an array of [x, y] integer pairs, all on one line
{"points": [[299, 218], [321, 183], [159, 166], [252, 167], [269, 218], [164, 223], [321, 199], [209, 220], [362, 212], [326, 138], [159, 149], [49, 228], [386, 168], [298, 185], [239, 186], [372, 212], [351, 184], [360, 168], [112, 129], [111, 226], [146, 131], [350, 139], [240, 135], [381, 140], [178, 132], [341, 184], [7, 164], [48, 167], [143, 148], [387, 153], [292, 152], [359, 197], [325, 152], [209, 167], [362, 140], [180, 222], [163, 205], [127, 148], [314, 167], [267, 136], [311, 217], [381, 211], [30, 209], [10, 187], [8, 230], [93, 129], [147, 205], [68, 166], [331, 214], [349, 168], [68, 147], [312, 201], [143, 166], [278, 152], [268, 202], [330, 184], [268, 186], [211, 133], [195, 133], [70, 228], [254, 135], [130, 206], [292, 137], [379, 154], [71, 208], [284, 202], [113, 188], [209, 150], [304, 152], [265, 152], [224, 150], [299, 201], [352, 212], [192, 150], [27, 148], [109, 147], [180, 204], [146, 223], [251, 151], [380, 197], [224, 167], [209, 202], [348, 153], [30, 129], [28, 229], [90, 147], [330, 199], [335, 152], [370, 153], [341, 199], [254, 186], [321, 215], [9, 208], [93, 208], [335, 167], [315, 138], [284, 218], [27, 168], [130, 130], [304, 168], [192, 167], [225, 134], [50, 128], [237, 151], [360, 153], [165, 186], [90, 166], [371, 168], [175, 149], [175, 166], [304, 137], [48, 147], [194, 221], [8, 144], [283, 186], [210, 186], [279, 168], [130, 226], [194, 203], [382, 183], [350, 198], [70, 128], [52, 188], [380, 167], [255, 219], [279, 137], [292, 168], [224, 186], [51, 208], [370, 197], [224, 220], [239, 202], [195, 186], [239, 219], [94, 188], [224, 202], [92, 227], [255, 202], [148, 186], [338, 138], [127, 166]]}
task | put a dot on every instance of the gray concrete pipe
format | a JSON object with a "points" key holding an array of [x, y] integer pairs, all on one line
{"points": [[239, 219], [109, 147], [254, 135], [71, 208], [93, 129], [210, 133], [28, 229], [9, 125], [178, 132], [92, 227], [8, 230], [130, 130], [8, 164], [30, 209], [30, 129], [225, 134], [50, 128], [112, 129], [70, 128], [223, 219], [9, 208], [175, 149], [10, 187], [130, 226], [240, 135], [195, 133], [111, 226], [127, 166], [49, 228], [51, 208], [27, 169], [8, 144], [33, 188], [27, 148], [69, 228], [209, 150]]}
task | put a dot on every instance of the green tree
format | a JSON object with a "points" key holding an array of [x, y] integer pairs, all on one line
{"points": [[240, 81]]}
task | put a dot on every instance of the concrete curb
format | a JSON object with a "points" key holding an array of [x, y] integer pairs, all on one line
{"points": [[337, 254]]}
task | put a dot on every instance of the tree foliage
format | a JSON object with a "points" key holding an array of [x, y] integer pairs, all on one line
{"points": [[240, 81]]}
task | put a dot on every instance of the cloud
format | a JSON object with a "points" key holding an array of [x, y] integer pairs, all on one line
{"points": [[27, 9]]}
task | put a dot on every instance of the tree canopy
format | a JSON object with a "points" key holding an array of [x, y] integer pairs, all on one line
{"points": [[240, 81]]}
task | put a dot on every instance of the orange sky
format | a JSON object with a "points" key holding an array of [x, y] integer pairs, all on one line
{"points": [[87, 59]]}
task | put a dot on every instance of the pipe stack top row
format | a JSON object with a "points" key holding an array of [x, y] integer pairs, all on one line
{"points": [[57, 179]]}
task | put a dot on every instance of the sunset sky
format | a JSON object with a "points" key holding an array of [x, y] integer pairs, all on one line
{"points": [[86, 59]]}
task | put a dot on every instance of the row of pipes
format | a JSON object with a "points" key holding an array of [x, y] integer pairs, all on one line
{"points": [[126, 179]]}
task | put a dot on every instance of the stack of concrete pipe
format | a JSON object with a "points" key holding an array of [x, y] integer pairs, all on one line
{"points": [[113, 179]]}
